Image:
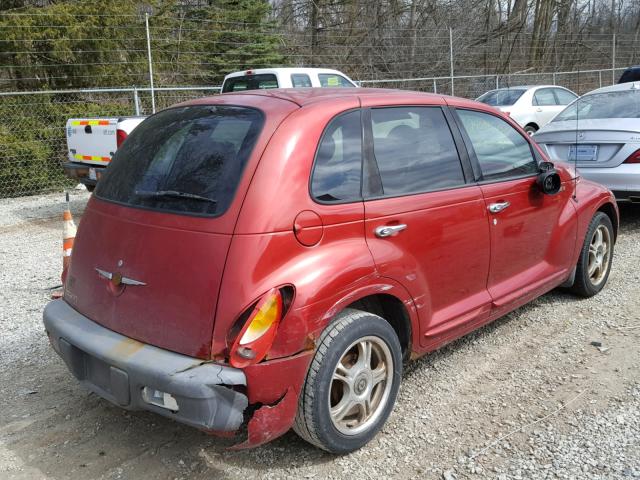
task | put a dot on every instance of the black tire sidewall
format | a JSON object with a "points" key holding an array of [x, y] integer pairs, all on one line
{"points": [[583, 282], [331, 438]]}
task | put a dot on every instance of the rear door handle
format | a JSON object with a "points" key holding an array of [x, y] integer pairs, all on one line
{"points": [[498, 207], [389, 230]]}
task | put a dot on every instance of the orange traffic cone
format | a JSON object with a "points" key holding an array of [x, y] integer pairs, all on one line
{"points": [[68, 236]]}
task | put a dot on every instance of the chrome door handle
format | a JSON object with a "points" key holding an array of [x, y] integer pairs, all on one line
{"points": [[389, 230], [498, 207]]}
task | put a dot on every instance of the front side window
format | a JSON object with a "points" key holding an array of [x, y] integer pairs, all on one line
{"points": [[338, 163], [414, 150], [500, 149], [333, 80], [544, 98], [250, 82], [300, 80], [183, 160]]}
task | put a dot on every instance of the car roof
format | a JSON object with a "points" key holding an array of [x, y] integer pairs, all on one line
{"points": [[619, 87], [284, 70], [306, 96], [527, 87]]}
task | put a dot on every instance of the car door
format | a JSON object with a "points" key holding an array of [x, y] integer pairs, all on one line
{"points": [[545, 105], [532, 234], [425, 224]]}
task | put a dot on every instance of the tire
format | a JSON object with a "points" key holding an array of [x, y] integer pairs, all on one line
{"points": [[343, 341], [530, 129], [90, 188], [587, 284]]}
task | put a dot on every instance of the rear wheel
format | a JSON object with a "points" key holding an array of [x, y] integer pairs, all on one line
{"points": [[352, 383], [90, 188], [594, 264]]}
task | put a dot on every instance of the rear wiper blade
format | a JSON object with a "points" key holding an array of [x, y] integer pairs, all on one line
{"points": [[174, 193]]}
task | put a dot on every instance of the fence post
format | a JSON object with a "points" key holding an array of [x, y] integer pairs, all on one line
{"points": [[451, 58], [497, 82], [613, 61], [600, 77], [136, 100], [554, 78], [435, 87], [153, 96]]}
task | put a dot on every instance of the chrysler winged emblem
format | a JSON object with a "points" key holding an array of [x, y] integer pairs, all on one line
{"points": [[117, 279]]}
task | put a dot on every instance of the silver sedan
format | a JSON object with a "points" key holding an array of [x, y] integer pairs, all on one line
{"points": [[600, 131]]}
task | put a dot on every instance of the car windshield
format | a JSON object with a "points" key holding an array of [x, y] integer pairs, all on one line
{"points": [[502, 98], [183, 160], [621, 104]]}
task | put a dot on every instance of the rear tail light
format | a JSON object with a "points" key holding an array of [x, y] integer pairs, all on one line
{"points": [[633, 158], [255, 339], [121, 136]]}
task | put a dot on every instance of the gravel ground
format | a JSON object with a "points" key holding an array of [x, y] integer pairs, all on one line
{"points": [[527, 397]]}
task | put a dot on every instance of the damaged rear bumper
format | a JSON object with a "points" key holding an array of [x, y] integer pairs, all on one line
{"points": [[137, 376]]}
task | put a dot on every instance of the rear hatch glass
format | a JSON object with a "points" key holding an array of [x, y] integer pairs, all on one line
{"points": [[250, 82], [155, 275], [183, 160]]}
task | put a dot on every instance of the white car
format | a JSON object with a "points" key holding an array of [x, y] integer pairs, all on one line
{"points": [[601, 133], [531, 106], [285, 78]]}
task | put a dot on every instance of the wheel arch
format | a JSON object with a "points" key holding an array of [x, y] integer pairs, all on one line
{"points": [[394, 311], [610, 211]]}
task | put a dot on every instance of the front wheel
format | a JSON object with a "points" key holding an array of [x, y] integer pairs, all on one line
{"points": [[352, 383], [594, 264]]}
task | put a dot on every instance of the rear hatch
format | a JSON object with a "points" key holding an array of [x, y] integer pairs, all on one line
{"points": [[91, 140], [599, 143], [151, 247]]}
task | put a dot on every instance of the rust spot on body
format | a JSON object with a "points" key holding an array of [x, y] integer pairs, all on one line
{"points": [[127, 347]]}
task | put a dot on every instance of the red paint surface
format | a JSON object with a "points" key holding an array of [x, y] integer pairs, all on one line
{"points": [[453, 269]]}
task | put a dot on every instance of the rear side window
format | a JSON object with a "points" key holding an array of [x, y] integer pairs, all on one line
{"points": [[544, 97], [183, 160], [333, 80], [300, 80], [564, 97], [414, 150], [250, 82], [338, 164], [500, 149]]}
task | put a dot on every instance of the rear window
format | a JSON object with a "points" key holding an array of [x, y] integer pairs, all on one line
{"points": [[250, 82], [625, 104], [183, 160], [332, 80], [501, 98]]}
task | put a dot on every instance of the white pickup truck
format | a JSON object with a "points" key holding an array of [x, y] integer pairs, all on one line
{"points": [[91, 142]]}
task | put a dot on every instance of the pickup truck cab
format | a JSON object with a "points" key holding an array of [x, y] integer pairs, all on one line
{"points": [[285, 78], [92, 142]]}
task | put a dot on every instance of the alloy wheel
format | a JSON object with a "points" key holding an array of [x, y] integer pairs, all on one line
{"points": [[360, 385]]}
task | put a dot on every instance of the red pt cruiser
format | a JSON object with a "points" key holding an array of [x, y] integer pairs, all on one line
{"points": [[258, 261]]}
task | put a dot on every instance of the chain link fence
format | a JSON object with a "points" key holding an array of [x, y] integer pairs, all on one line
{"points": [[176, 59]]}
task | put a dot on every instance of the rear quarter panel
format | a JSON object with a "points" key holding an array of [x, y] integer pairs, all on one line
{"points": [[265, 252]]}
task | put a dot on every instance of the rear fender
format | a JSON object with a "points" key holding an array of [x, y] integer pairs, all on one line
{"points": [[303, 326]]}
